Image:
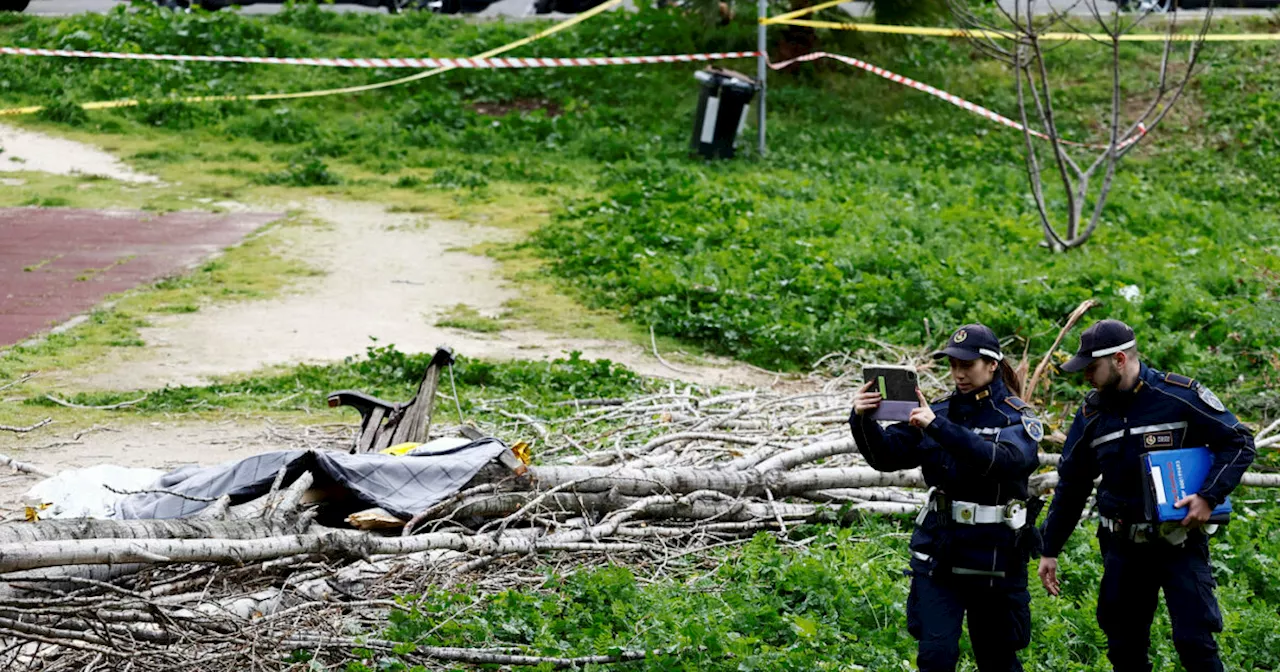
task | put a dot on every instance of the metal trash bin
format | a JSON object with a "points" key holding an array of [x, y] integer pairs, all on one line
{"points": [[722, 111]]}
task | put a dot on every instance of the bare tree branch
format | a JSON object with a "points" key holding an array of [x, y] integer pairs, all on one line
{"points": [[1036, 89]]}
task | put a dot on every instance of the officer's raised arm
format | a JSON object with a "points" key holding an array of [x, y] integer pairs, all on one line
{"points": [[1076, 473], [891, 449], [1012, 453]]}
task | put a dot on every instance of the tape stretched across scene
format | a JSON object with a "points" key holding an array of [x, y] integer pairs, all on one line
{"points": [[1136, 134], [454, 63], [793, 18], [483, 62], [346, 90], [925, 31]]}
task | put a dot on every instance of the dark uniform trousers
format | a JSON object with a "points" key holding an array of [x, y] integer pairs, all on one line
{"points": [[1133, 576], [999, 622]]}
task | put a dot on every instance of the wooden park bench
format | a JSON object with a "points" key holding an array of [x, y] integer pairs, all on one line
{"points": [[385, 423]]}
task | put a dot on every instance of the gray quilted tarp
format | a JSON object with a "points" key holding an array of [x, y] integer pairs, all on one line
{"points": [[403, 486]]}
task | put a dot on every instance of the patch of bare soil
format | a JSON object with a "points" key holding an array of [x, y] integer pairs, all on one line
{"points": [[22, 150], [388, 279]]}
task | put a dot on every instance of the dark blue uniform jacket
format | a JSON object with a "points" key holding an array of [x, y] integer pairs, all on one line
{"points": [[979, 449], [1112, 431]]}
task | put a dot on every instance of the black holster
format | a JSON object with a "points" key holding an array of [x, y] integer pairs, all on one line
{"points": [[1028, 539]]}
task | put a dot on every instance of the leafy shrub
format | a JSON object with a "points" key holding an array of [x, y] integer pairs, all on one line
{"points": [[64, 112], [177, 116], [457, 178], [389, 373], [281, 125], [304, 172]]}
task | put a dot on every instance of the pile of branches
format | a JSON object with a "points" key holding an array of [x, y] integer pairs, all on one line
{"points": [[656, 481]]}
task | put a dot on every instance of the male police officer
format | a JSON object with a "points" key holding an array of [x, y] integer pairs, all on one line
{"points": [[1135, 409]]}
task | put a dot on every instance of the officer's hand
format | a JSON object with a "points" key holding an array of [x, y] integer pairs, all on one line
{"points": [[866, 401], [1198, 511], [1049, 575], [921, 416]]}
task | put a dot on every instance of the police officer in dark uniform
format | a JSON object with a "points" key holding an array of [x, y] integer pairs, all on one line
{"points": [[1134, 409], [974, 537]]}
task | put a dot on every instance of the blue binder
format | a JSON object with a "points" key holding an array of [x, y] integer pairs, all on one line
{"points": [[1174, 474]]}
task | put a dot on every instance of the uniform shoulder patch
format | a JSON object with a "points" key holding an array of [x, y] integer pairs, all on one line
{"points": [[1209, 398], [1016, 403], [1180, 381], [1035, 430]]}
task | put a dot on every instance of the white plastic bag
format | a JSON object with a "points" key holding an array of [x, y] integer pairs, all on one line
{"points": [[82, 493]]}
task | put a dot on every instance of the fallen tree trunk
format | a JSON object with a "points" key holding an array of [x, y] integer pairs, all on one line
{"points": [[823, 449], [331, 543], [642, 482], [1045, 483], [189, 528], [728, 510]]}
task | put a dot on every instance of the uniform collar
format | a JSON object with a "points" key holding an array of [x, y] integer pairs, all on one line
{"points": [[993, 392]]}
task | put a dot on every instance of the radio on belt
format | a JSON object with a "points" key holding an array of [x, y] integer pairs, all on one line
{"points": [[722, 111]]}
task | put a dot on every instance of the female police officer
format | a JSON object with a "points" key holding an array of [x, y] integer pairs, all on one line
{"points": [[973, 538]]}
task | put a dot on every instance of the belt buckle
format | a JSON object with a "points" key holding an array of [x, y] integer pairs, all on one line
{"points": [[964, 512], [1015, 514], [1139, 534]]}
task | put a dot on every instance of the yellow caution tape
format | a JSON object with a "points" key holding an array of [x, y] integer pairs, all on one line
{"points": [[801, 12], [1002, 35], [109, 104]]}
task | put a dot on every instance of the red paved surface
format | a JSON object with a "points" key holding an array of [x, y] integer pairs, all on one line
{"points": [[56, 263]]}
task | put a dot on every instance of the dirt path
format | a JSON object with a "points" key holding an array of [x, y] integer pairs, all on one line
{"points": [[387, 276], [24, 150]]}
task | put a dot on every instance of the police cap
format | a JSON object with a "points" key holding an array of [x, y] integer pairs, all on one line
{"points": [[971, 342], [1102, 339]]}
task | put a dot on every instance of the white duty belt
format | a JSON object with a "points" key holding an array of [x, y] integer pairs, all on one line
{"points": [[1013, 514]]}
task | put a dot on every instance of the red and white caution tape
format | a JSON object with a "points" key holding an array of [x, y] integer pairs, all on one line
{"points": [[520, 63], [950, 98], [464, 63]]}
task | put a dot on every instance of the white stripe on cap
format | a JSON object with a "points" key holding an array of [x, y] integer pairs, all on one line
{"points": [[991, 353], [1111, 351]]}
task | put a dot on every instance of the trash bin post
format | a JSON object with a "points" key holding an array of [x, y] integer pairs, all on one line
{"points": [[762, 69]]}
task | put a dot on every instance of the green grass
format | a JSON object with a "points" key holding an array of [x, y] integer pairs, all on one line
{"points": [[838, 603], [877, 208], [467, 318], [299, 393]]}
